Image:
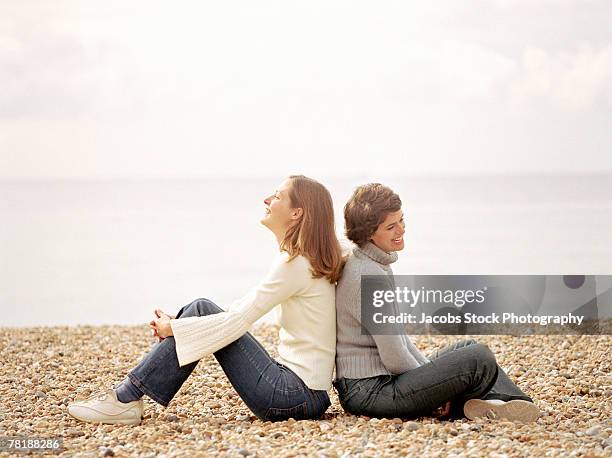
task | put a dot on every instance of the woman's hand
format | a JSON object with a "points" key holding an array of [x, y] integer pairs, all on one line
{"points": [[161, 325], [443, 411]]}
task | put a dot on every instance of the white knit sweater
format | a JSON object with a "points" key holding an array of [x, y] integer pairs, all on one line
{"points": [[306, 316]]}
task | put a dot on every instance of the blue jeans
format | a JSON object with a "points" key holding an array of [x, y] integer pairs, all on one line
{"points": [[465, 370], [269, 389]]}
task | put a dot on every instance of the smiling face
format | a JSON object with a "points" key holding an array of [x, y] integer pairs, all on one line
{"points": [[279, 214], [389, 235]]}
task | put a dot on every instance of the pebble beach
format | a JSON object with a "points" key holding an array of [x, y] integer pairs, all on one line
{"points": [[45, 368]]}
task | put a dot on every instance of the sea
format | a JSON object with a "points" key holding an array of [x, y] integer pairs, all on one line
{"points": [[93, 252]]}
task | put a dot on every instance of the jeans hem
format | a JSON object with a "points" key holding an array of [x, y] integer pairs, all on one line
{"points": [[148, 391]]}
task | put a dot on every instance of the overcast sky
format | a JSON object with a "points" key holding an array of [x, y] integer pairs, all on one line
{"points": [[155, 89]]}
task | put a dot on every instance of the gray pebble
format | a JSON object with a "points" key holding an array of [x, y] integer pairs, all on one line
{"points": [[244, 452], [593, 431], [109, 452], [411, 426], [74, 432]]}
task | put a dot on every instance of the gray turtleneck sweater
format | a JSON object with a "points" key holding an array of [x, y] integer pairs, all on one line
{"points": [[362, 354]]}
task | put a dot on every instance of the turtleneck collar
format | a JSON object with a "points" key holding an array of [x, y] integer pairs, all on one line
{"points": [[376, 254]]}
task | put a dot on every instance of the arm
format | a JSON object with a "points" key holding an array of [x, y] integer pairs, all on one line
{"points": [[397, 352], [199, 336]]}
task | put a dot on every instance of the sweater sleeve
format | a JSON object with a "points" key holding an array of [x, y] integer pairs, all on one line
{"points": [[199, 336], [397, 352]]}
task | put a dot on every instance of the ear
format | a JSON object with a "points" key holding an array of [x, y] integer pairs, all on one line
{"points": [[297, 213]]}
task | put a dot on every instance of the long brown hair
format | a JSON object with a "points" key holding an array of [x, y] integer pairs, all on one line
{"points": [[314, 235]]}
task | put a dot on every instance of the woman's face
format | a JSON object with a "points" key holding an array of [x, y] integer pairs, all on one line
{"points": [[278, 214], [389, 235]]}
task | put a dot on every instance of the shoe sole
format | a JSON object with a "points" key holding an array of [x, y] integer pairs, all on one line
{"points": [[117, 421], [515, 410]]}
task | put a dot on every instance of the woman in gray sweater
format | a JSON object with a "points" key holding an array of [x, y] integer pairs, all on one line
{"points": [[386, 375]]}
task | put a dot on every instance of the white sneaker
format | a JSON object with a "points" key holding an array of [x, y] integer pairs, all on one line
{"points": [[515, 410], [104, 407]]}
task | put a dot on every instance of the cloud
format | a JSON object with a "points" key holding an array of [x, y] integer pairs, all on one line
{"points": [[52, 68], [46, 79], [574, 81], [469, 70], [118, 88]]}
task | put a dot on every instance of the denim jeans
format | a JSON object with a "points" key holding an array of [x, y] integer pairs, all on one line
{"points": [[271, 390], [465, 370]]}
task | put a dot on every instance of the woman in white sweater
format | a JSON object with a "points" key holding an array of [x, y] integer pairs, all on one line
{"points": [[301, 282]]}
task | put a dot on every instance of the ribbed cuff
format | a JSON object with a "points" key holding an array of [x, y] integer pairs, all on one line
{"points": [[359, 367]]}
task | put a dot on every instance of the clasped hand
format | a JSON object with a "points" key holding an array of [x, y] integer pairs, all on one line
{"points": [[161, 325]]}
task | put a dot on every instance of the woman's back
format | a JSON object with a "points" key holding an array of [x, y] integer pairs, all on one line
{"points": [[359, 352], [308, 329]]}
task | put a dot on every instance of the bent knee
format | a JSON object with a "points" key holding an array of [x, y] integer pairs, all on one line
{"points": [[203, 307], [465, 343], [483, 354]]}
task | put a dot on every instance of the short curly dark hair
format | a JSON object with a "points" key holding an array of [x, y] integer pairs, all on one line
{"points": [[367, 209]]}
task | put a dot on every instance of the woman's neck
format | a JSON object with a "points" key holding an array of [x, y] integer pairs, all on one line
{"points": [[376, 254], [280, 236]]}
